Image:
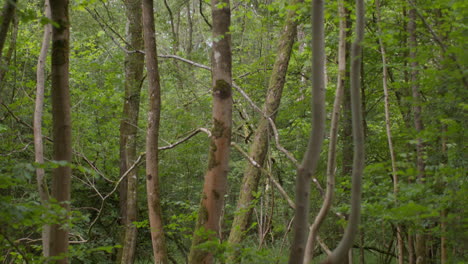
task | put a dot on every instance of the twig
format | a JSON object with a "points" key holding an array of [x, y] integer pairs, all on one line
{"points": [[189, 136]]}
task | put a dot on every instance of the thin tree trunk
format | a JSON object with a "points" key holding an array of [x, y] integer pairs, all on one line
{"points": [[443, 237], [400, 244], [331, 163], [341, 251], [8, 12], [214, 188], [309, 163], [262, 135], [61, 180], [134, 64], [37, 126], [420, 249], [411, 253], [152, 159]]}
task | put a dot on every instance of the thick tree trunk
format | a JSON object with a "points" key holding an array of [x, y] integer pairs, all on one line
{"points": [[420, 248], [260, 143], [309, 163], [61, 180], [37, 126], [214, 187], [134, 63], [341, 251], [8, 12], [152, 159], [331, 163]]}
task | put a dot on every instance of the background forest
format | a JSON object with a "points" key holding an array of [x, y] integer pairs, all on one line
{"points": [[413, 97]]}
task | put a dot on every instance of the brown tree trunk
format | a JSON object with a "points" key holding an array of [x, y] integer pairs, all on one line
{"points": [[331, 163], [260, 143], [341, 251], [214, 188], [8, 12], [37, 126], [134, 64], [420, 248], [61, 180], [309, 163], [152, 159]]}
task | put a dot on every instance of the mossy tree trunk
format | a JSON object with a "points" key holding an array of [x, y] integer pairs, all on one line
{"points": [[214, 188], [152, 136], [259, 147], [61, 176], [6, 17], [134, 63]]}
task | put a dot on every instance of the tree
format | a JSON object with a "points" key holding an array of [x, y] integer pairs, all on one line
{"points": [[214, 187], [7, 15], [331, 162], [61, 176], [310, 160], [261, 138], [134, 63], [37, 125], [152, 135], [341, 251]]}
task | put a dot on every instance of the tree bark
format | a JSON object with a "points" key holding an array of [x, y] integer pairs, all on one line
{"points": [[309, 163], [261, 139], [400, 243], [37, 126], [134, 64], [216, 177], [331, 163], [152, 159], [61, 180], [7, 15], [341, 251]]}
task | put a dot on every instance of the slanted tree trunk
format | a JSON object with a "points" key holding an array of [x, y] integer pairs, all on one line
{"points": [[309, 163], [8, 12], [152, 159], [259, 147], [400, 244], [331, 164], [37, 126], [420, 245], [134, 63], [61, 180], [340, 253], [214, 188]]}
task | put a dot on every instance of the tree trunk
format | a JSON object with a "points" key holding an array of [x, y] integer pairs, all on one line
{"points": [[420, 248], [260, 143], [400, 244], [341, 251], [5, 19], [214, 187], [37, 126], [5, 60], [134, 63], [61, 180], [331, 163], [152, 159], [309, 163]]}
